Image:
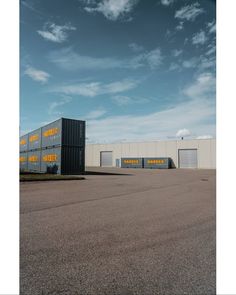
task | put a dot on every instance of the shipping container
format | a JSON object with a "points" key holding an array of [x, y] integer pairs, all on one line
{"points": [[63, 160], [157, 163], [34, 161], [51, 134], [24, 143], [131, 162], [51, 160], [35, 140], [64, 132], [23, 161]]}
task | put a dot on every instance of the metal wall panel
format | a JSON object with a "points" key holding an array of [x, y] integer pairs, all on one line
{"points": [[131, 162], [51, 134], [51, 160], [72, 160], [188, 158], [34, 161], [156, 163], [23, 161], [35, 139], [73, 132], [105, 159], [24, 143]]}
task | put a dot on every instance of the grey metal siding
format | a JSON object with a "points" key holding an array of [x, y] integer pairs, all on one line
{"points": [[72, 160], [23, 161], [106, 159], [188, 158], [35, 139], [51, 134], [131, 162], [51, 160], [24, 143], [34, 161], [156, 163], [73, 132]]}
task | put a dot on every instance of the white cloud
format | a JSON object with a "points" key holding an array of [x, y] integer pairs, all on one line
{"points": [[154, 58], [135, 47], [176, 52], [122, 100], [55, 33], [196, 113], [156, 125], [204, 86], [37, 75], [212, 27], [174, 66], [93, 89], [191, 63], [69, 60], [189, 12], [183, 133], [95, 114], [113, 9], [167, 2], [199, 38], [211, 50], [180, 26], [204, 137], [52, 109]]}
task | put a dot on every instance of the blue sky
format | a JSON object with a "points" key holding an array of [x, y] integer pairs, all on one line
{"points": [[134, 70]]}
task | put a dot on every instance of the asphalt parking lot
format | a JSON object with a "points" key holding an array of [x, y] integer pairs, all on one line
{"points": [[119, 231]]}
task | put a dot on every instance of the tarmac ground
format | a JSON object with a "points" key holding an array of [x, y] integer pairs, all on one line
{"points": [[120, 231]]}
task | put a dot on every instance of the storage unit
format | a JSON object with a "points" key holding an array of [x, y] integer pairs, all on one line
{"points": [[157, 163], [188, 158], [23, 161], [105, 159], [35, 140], [58, 147], [34, 160], [63, 132], [131, 162], [24, 143]]}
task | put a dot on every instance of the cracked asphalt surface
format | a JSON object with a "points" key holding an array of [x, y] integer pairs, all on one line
{"points": [[140, 232]]}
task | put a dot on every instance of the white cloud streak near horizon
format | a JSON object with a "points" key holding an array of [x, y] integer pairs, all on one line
{"points": [[55, 33], [196, 113]]}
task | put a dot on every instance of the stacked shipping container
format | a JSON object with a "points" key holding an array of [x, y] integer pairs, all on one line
{"points": [[58, 147]]}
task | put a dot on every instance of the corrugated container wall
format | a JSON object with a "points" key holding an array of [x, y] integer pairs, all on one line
{"points": [[34, 160], [35, 140], [131, 162], [23, 161], [156, 163], [24, 143]]}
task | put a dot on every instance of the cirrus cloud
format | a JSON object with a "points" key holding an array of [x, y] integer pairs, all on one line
{"points": [[55, 33]]}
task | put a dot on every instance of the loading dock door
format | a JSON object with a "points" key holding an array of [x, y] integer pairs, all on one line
{"points": [[106, 159], [188, 158]]}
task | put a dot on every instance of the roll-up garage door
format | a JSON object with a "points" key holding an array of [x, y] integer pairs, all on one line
{"points": [[106, 159], [188, 158]]}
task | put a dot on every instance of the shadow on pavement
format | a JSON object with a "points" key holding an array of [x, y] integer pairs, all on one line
{"points": [[105, 173]]}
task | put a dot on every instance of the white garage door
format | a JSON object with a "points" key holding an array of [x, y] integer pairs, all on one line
{"points": [[188, 158], [105, 159]]}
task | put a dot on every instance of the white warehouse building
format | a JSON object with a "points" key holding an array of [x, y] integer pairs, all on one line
{"points": [[194, 153]]}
